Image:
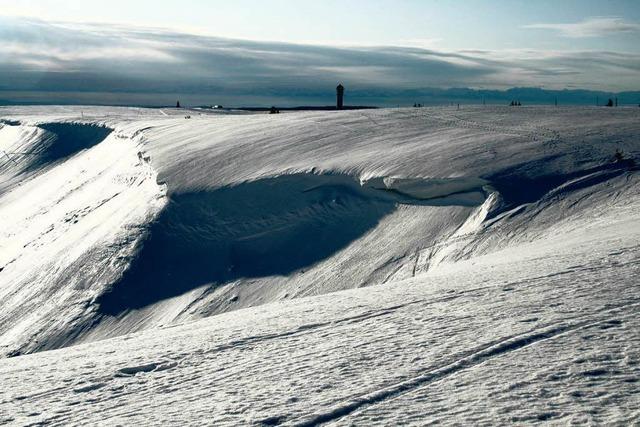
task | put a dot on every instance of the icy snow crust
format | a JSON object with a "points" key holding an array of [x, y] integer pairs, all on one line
{"points": [[496, 249]]}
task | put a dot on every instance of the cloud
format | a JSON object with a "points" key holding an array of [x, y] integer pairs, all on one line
{"points": [[421, 43], [99, 63], [592, 27]]}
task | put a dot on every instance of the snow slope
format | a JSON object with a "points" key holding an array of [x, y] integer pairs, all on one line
{"points": [[502, 244], [69, 227], [543, 331]]}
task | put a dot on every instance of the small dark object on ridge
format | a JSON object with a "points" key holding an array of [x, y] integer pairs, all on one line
{"points": [[274, 110], [619, 156]]}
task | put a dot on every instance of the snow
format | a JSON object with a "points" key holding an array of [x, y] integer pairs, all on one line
{"points": [[400, 266], [66, 233]]}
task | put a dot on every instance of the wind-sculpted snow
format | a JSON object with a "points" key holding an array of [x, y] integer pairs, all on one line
{"points": [[435, 191], [68, 230], [65, 139], [497, 248], [545, 331], [269, 227], [529, 182], [26, 149]]}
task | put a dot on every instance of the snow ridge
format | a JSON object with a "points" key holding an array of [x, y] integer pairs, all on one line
{"points": [[68, 228], [260, 209]]}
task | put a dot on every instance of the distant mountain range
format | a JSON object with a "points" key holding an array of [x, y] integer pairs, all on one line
{"points": [[314, 98], [526, 95]]}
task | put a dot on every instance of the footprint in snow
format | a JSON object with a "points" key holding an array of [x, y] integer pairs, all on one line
{"points": [[89, 387], [149, 367], [611, 324]]}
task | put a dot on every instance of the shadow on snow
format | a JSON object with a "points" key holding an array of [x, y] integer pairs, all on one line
{"points": [[67, 139], [263, 228]]}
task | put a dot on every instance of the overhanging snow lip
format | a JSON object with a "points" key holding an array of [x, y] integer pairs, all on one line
{"points": [[518, 185], [268, 227], [458, 191], [9, 122], [58, 142]]}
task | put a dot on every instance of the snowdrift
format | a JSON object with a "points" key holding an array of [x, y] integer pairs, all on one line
{"points": [[402, 266], [72, 217], [164, 220], [27, 149], [270, 227]]}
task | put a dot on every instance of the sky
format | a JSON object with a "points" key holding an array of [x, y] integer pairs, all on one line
{"points": [[292, 51]]}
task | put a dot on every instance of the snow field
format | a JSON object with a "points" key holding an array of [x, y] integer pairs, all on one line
{"points": [[351, 268]]}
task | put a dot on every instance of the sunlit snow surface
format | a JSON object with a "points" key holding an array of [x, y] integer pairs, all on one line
{"points": [[401, 266]]}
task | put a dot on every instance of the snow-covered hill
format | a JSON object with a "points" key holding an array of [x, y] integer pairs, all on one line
{"points": [[486, 262]]}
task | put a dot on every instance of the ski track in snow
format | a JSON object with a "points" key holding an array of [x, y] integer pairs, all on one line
{"points": [[457, 305]]}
